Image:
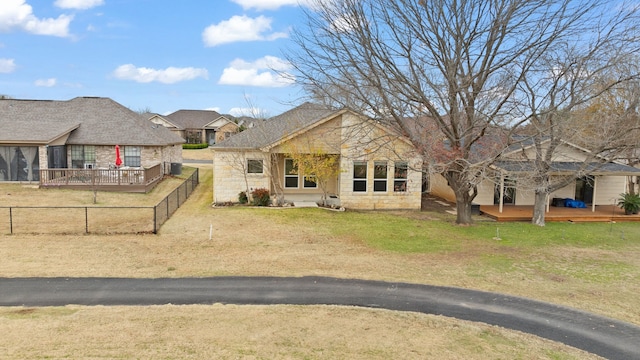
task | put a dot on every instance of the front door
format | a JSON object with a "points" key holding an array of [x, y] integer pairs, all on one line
{"points": [[584, 189], [57, 157]]}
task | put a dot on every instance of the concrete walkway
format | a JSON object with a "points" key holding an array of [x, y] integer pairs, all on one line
{"points": [[602, 336]]}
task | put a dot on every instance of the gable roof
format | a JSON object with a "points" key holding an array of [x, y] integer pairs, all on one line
{"points": [[89, 120], [192, 119], [277, 128], [523, 142], [159, 119], [220, 122]]}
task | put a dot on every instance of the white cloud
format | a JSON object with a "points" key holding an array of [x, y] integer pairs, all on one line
{"points": [[269, 4], [240, 28], [7, 66], [245, 111], [16, 14], [216, 109], [169, 75], [46, 82], [78, 4], [268, 71]]}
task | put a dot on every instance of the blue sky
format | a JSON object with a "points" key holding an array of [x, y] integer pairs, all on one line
{"points": [[161, 55]]}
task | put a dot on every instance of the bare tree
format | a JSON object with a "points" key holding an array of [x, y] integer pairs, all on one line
{"points": [[461, 64], [554, 99]]}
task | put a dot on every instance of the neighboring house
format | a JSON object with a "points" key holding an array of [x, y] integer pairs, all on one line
{"points": [[163, 121], [602, 184], [198, 126], [40, 137], [378, 169]]}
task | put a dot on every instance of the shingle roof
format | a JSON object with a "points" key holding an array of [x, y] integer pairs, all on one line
{"points": [[93, 121], [278, 127], [192, 119], [570, 167]]}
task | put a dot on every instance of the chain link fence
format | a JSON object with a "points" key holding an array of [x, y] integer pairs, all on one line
{"points": [[95, 219]]}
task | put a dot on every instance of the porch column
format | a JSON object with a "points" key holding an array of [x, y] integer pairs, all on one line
{"points": [[593, 200], [501, 192], [548, 197]]}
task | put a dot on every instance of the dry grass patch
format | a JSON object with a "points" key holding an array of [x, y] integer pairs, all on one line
{"points": [[197, 154], [34, 210], [259, 332], [593, 275]]}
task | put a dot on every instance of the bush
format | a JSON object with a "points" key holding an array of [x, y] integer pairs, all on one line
{"points": [[260, 197], [195, 146], [630, 203], [242, 198]]}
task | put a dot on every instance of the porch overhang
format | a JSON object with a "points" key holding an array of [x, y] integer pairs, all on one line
{"points": [[560, 168], [568, 168]]}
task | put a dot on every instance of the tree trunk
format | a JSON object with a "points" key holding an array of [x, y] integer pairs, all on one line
{"points": [[463, 209], [631, 185], [539, 208], [465, 193]]}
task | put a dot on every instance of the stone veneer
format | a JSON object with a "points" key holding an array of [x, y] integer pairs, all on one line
{"points": [[361, 140], [105, 155], [229, 169]]}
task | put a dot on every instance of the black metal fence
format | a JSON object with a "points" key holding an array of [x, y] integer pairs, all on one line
{"points": [[95, 219], [165, 208]]}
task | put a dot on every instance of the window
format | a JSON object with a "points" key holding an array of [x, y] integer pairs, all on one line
{"points": [[83, 156], [400, 176], [380, 176], [132, 156], [310, 182], [254, 166], [290, 174], [359, 176], [193, 136]]}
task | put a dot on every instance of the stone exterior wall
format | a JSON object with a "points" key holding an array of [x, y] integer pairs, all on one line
{"points": [[42, 157], [106, 155], [227, 128], [229, 170], [364, 141]]}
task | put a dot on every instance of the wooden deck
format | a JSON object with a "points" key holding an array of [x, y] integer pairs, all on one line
{"points": [[123, 180], [603, 213]]}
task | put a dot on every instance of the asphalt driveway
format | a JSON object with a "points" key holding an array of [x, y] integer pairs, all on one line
{"points": [[602, 336]]}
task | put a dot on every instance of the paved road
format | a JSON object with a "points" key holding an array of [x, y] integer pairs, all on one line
{"points": [[608, 338]]}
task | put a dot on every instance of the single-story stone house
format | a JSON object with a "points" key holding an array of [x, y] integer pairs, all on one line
{"points": [[377, 168], [198, 126], [39, 136]]}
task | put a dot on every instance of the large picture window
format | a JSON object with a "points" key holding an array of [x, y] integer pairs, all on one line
{"points": [[290, 174], [83, 156], [254, 166], [132, 156], [19, 163], [400, 176], [359, 176], [380, 176]]}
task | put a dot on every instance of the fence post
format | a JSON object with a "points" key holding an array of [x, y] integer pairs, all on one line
{"points": [[11, 220], [86, 220], [155, 219]]}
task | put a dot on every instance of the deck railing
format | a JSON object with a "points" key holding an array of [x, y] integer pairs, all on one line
{"points": [[100, 177]]}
